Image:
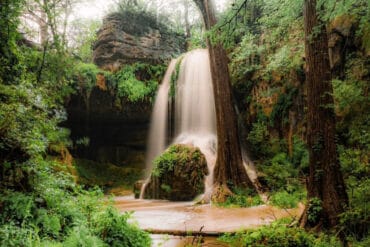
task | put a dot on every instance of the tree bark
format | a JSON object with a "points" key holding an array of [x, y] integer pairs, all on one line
{"points": [[229, 169], [186, 18], [325, 180]]}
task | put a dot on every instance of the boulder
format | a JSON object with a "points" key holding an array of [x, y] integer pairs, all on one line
{"points": [[178, 174]]}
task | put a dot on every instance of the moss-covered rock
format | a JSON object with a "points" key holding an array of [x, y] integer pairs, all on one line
{"points": [[178, 174]]}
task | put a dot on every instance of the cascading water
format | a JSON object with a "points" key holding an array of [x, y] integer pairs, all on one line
{"points": [[195, 117], [158, 124], [195, 114]]}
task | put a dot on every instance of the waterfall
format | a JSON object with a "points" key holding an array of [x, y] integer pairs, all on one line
{"points": [[158, 124], [195, 114], [194, 111]]}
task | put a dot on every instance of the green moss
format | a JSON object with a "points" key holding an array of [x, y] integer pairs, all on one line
{"points": [[178, 174], [175, 77], [137, 82]]}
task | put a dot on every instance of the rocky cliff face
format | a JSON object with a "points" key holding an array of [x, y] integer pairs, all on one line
{"points": [[116, 134], [114, 127], [129, 37]]}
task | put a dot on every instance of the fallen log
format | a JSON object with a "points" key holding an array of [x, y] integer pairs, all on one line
{"points": [[183, 233]]}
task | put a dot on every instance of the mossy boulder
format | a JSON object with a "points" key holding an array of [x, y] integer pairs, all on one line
{"points": [[178, 174]]}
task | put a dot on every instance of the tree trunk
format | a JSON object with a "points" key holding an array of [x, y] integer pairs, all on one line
{"points": [[229, 169], [325, 180], [186, 18], [43, 24]]}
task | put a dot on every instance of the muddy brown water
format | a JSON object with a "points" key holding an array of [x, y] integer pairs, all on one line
{"points": [[166, 219]]}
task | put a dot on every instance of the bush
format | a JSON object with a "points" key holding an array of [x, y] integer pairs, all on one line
{"points": [[259, 138], [279, 235], [133, 83], [129, 87], [81, 236], [284, 199], [243, 201], [113, 228], [280, 173]]}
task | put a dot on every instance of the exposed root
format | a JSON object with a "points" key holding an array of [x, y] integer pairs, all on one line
{"points": [[220, 193]]}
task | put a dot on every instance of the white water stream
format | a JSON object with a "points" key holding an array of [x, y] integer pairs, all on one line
{"points": [[194, 115]]}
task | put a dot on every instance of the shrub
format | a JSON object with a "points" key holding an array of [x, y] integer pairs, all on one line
{"points": [[129, 87], [283, 199], [113, 228], [279, 235], [280, 172]]}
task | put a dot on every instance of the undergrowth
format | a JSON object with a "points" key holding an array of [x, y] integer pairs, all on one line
{"points": [[106, 175], [278, 234]]}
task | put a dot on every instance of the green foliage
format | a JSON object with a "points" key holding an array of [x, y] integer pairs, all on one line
{"points": [[314, 209], [284, 59], [83, 35], [197, 39], [283, 199], [351, 104], [280, 172], [139, 21], [106, 175], [14, 236], [175, 77], [166, 162], [131, 88], [178, 155], [299, 158], [246, 56], [86, 75], [10, 68], [133, 83], [39, 205], [53, 212], [113, 228], [80, 236], [258, 137], [178, 174], [355, 167], [280, 112], [242, 198], [278, 234]]}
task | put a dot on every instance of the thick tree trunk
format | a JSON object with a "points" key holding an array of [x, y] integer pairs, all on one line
{"points": [[43, 24], [229, 169], [186, 18], [325, 178]]}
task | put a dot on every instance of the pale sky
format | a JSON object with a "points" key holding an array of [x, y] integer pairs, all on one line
{"points": [[96, 9], [92, 9]]}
